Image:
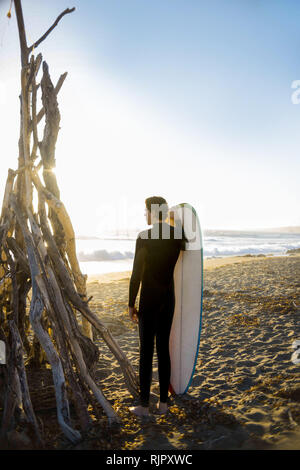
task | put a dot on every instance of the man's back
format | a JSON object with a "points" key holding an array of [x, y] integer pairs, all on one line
{"points": [[157, 251], [161, 255]]}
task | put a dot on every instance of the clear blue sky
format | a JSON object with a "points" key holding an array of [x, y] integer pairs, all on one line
{"points": [[188, 99]]}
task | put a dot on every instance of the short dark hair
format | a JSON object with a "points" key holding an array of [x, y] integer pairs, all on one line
{"points": [[160, 208]]}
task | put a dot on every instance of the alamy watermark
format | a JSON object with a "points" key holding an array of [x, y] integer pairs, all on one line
{"points": [[123, 214], [155, 460], [184, 220]]}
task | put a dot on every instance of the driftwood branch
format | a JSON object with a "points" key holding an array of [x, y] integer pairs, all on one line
{"points": [[23, 382], [47, 146], [50, 286], [82, 306], [42, 38], [69, 236], [57, 88], [35, 67], [22, 33], [7, 191], [42, 289], [36, 310]]}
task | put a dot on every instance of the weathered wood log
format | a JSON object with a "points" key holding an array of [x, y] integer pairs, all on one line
{"points": [[15, 293], [12, 394], [90, 351], [52, 295], [58, 207], [78, 357], [7, 192], [35, 314], [22, 33], [63, 412], [82, 306], [39, 268], [18, 254], [57, 88], [25, 116], [6, 223], [61, 341], [22, 286], [51, 129], [19, 363], [34, 70], [75, 386]]}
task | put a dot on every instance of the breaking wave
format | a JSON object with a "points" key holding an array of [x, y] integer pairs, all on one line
{"points": [[211, 249], [104, 255]]}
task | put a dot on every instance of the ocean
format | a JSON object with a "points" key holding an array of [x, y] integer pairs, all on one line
{"points": [[103, 255]]}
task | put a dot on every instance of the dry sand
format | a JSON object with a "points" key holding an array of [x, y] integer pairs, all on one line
{"points": [[245, 392]]}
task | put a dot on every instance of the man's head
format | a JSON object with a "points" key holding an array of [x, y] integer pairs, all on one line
{"points": [[156, 209]]}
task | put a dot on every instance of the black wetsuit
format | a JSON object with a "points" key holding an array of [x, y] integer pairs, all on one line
{"points": [[156, 254]]}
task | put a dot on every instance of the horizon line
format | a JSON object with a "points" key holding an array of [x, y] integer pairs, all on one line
{"points": [[121, 232]]}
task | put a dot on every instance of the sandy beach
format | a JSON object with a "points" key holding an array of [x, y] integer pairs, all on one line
{"points": [[245, 392]]}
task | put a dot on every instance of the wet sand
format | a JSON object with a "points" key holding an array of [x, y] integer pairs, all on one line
{"points": [[245, 392]]}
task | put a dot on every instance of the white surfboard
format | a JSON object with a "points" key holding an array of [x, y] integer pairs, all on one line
{"points": [[188, 281]]}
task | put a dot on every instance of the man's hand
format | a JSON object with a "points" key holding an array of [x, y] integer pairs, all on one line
{"points": [[133, 314]]}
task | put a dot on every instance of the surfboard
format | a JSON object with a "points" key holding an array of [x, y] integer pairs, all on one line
{"points": [[188, 282]]}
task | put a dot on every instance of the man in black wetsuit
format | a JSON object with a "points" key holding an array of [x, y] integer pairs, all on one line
{"points": [[156, 253]]}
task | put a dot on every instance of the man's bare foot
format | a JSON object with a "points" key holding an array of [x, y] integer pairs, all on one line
{"points": [[139, 410], [162, 408]]}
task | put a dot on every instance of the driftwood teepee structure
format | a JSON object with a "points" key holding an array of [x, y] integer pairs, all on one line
{"points": [[42, 289]]}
